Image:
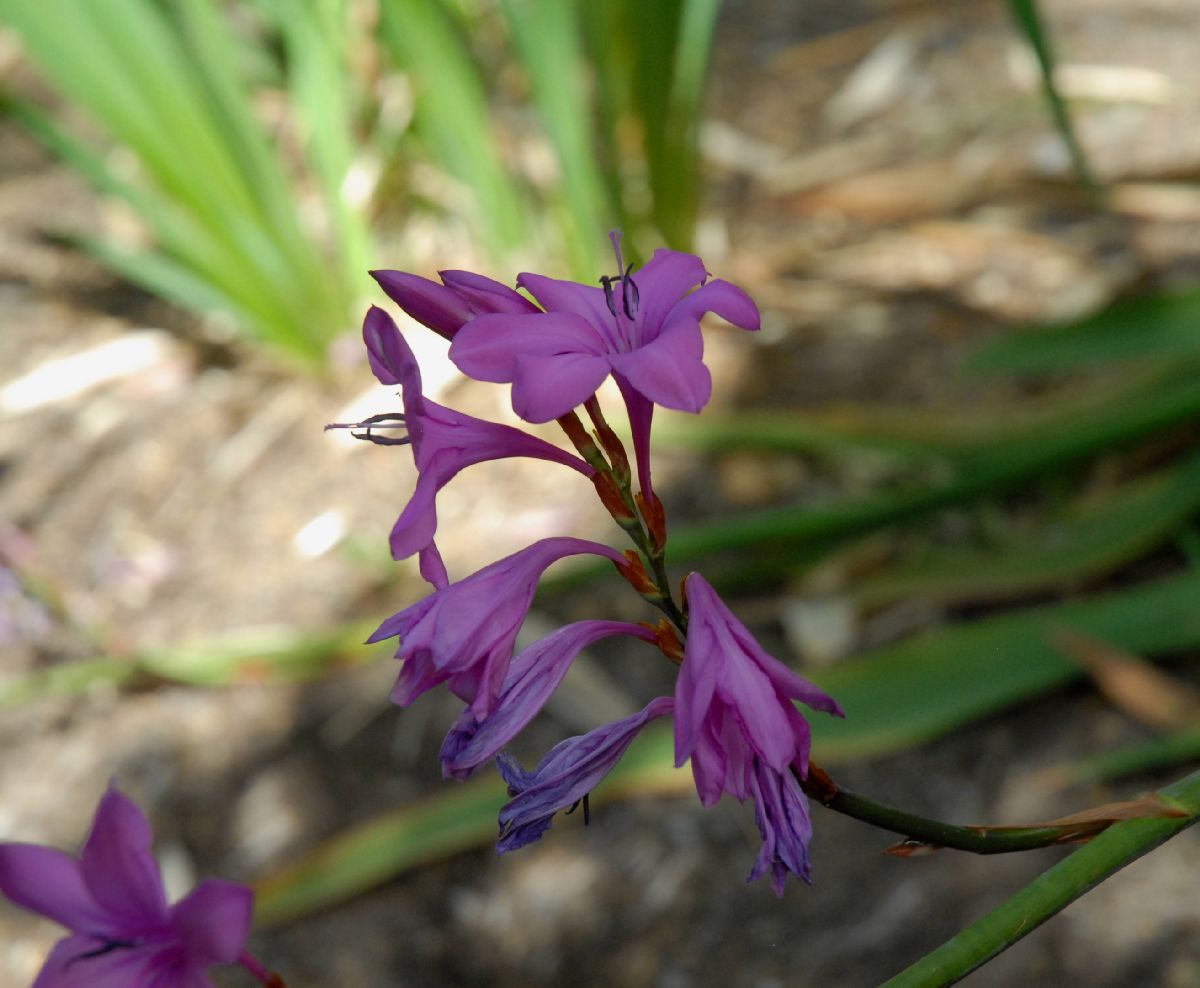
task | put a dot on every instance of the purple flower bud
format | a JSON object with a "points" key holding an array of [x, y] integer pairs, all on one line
{"points": [[463, 634], [445, 308], [111, 898], [532, 677], [570, 770]]}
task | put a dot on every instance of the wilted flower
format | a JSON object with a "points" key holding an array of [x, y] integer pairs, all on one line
{"points": [[444, 441], [463, 634], [111, 898], [532, 677], [570, 770], [735, 719]]}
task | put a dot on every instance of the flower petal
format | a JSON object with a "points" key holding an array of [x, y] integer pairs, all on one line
{"points": [[392, 361], [668, 275], [670, 371], [118, 864], [436, 306], [556, 295], [720, 297], [545, 387], [46, 881], [69, 966], [213, 921], [484, 295], [487, 348]]}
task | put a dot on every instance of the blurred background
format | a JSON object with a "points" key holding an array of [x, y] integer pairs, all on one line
{"points": [[955, 479]]}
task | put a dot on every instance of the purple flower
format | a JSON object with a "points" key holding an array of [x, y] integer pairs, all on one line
{"points": [[735, 719], [444, 308], [463, 634], [111, 898], [532, 677], [444, 442], [570, 770], [647, 336]]}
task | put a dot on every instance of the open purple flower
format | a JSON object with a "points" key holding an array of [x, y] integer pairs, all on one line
{"points": [[532, 677], [123, 932], [647, 336], [735, 719], [444, 441], [570, 770], [463, 634]]}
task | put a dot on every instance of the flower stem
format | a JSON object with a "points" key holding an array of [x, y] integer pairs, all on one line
{"points": [[268, 978], [922, 833]]}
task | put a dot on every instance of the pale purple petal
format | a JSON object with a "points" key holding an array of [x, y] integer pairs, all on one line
{"points": [[436, 306], [46, 881], [433, 570], [721, 298], [640, 410], [213, 922], [781, 812], [670, 371], [487, 348], [533, 676], [666, 277], [118, 865], [145, 966], [571, 770], [546, 387]]}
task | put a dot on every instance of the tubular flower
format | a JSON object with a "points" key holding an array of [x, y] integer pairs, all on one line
{"points": [[735, 719], [444, 441], [570, 770], [463, 633], [532, 677], [647, 336], [111, 898]]}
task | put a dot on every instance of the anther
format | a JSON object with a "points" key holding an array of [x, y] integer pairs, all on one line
{"points": [[629, 294], [607, 281]]}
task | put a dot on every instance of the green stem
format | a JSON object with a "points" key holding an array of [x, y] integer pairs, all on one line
{"points": [[1053, 890]]}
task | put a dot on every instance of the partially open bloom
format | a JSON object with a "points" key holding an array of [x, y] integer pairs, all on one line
{"points": [[463, 634], [735, 719], [461, 297], [570, 770], [532, 678], [444, 441], [123, 932]]}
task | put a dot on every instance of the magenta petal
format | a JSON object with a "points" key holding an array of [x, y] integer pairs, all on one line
{"points": [[485, 295], [568, 296], [719, 297], [667, 276], [118, 864], [545, 387], [433, 570], [51, 883], [213, 921], [392, 361], [670, 371], [417, 523], [487, 348], [436, 306], [137, 967]]}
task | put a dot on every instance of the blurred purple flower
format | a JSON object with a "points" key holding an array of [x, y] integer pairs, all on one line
{"points": [[463, 634], [648, 338], [444, 441], [532, 677], [444, 308], [570, 770], [735, 719], [111, 898]]}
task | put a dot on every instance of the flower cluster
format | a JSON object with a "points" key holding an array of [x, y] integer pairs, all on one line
{"points": [[733, 707], [111, 898]]}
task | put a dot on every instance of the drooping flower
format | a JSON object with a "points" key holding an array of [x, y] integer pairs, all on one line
{"points": [[533, 676], [461, 297], [735, 719], [123, 932], [649, 339], [565, 776], [463, 634], [444, 441]]}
